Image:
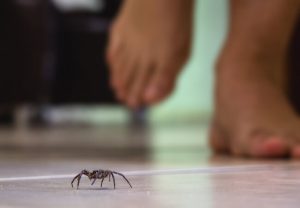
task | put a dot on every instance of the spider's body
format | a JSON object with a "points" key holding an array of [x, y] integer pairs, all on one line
{"points": [[98, 174]]}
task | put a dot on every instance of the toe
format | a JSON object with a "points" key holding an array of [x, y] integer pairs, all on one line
{"points": [[128, 77], [159, 87], [217, 141], [270, 146], [119, 70], [115, 67], [139, 84], [122, 73]]}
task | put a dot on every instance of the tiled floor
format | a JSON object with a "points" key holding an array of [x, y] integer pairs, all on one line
{"points": [[168, 166]]}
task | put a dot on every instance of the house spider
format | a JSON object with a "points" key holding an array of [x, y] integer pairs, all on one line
{"points": [[98, 174]]}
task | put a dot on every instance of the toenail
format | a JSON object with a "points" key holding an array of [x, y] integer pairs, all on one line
{"points": [[270, 148]]}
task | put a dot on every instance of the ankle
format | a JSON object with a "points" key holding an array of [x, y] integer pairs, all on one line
{"points": [[238, 63]]}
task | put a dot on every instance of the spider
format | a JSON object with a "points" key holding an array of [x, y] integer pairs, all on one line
{"points": [[98, 174]]}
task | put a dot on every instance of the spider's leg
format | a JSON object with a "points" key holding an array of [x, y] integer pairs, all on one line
{"points": [[75, 179], [78, 180], [124, 178], [94, 181], [96, 177], [109, 177], [102, 181], [113, 177]]}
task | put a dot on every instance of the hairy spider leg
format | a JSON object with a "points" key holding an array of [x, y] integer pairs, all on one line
{"points": [[78, 177], [102, 181], [123, 177], [75, 179], [113, 177], [78, 180], [104, 175], [109, 177]]}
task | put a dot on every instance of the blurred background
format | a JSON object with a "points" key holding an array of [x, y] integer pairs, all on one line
{"points": [[54, 55], [54, 75]]}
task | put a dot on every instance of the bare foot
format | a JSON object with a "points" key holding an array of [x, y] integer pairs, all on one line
{"points": [[149, 43], [253, 115]]}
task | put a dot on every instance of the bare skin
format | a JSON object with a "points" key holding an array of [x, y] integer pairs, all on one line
{"points": [[149, 43], [253, 116]]}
